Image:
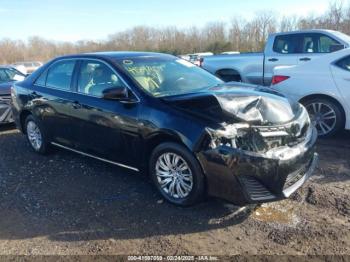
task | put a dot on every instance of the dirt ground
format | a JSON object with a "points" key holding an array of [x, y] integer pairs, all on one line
{"points": [[68, 204]]}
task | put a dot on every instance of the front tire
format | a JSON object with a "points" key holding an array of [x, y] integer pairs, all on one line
{"points": [[177, 174], [326, 115], [36, 135]]}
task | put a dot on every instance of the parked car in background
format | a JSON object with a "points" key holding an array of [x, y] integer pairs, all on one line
{"points": [[290, 48], [197, 57], [230, 53], [8, 76], [323, 86], [195, 134], [30, 67], [185, 57]]}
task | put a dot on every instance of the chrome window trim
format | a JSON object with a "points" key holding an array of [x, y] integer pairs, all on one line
{"points": [[95, 157], [75, 92]]}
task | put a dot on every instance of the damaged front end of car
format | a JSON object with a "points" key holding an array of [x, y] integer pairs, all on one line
{"points": [[265, 155]]}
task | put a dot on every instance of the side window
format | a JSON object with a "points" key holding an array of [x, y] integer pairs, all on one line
{"points": [[41, 80], [327, 44], [94, 77], [344, 63], [3, 76], [60, 75], [309, 44], [318, 43], [285, 44]]}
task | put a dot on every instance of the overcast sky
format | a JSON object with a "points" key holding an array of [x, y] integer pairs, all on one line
{"points": [[95, 19]]}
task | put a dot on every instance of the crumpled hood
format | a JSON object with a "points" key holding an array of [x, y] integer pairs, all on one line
{"points": [[238, 103]]}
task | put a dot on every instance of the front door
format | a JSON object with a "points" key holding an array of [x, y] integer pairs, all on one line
{"points": [[313, 45], [108, 128]]}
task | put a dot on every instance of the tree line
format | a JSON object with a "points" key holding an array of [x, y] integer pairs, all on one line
{"points": [[237, 35]]}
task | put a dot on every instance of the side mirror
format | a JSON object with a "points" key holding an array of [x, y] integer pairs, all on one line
{"points": [[115, 93]]}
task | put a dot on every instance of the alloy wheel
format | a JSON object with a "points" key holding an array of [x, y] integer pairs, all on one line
{"points": [[322, 116], [174, 175], [34, 135]]}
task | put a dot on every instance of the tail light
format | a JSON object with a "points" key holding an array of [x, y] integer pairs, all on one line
{"points": [[278, 79]]}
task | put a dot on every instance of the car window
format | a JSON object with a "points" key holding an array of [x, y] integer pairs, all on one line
{"points": [[309, 45], [94, 77], [60, 74], [326, 44], [317, 43], [10, 74], [41, 80], [344, 63], [285, 44], [3, 76]]}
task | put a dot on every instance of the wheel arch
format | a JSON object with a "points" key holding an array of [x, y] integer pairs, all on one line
{"points": [[313, 96], [163, 136], [229, 72], [155, 139], [22, 118]]}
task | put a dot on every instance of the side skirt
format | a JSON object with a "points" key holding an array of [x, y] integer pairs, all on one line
{"points": [[95, 157]]}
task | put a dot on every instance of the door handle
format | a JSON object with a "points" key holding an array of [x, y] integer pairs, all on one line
{"points": [[76, 105], [305, 59], [273, 59]]}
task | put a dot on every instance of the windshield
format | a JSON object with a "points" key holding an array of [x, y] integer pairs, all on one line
{"points": [[167, 76], [10, 74]]}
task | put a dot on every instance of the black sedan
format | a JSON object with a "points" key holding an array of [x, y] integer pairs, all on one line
{"points": [[158, 114], [8, 76]]}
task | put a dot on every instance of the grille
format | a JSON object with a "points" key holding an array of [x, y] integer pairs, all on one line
{"points": [[5, 99], [256, 190]]}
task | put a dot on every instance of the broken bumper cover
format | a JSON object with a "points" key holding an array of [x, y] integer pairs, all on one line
{"points": [[244, 177]]}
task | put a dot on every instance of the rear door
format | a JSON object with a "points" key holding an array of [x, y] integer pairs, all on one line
{"points": [[313, 45], [52, 99], [341, 74], [283, 52]]}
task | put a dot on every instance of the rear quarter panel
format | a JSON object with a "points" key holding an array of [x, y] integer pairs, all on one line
{"points": [[303, 83]]}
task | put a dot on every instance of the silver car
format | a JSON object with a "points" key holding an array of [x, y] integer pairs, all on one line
{"points": [[8, 76]]}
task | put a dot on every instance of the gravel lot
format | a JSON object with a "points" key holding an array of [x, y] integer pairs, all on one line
{"points": [[67, 204]]}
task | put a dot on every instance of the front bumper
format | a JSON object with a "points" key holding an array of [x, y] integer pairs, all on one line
{"points": [[245, 178]]}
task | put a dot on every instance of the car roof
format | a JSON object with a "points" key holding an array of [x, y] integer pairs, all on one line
{"points": [[117, 55], [305, 31]]}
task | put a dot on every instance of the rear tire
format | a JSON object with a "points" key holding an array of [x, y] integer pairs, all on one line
{"points": [[177, 174], [326, 115], [36, 136]]}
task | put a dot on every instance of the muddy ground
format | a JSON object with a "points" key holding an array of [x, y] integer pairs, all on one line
{"points": [[68, 204]]}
